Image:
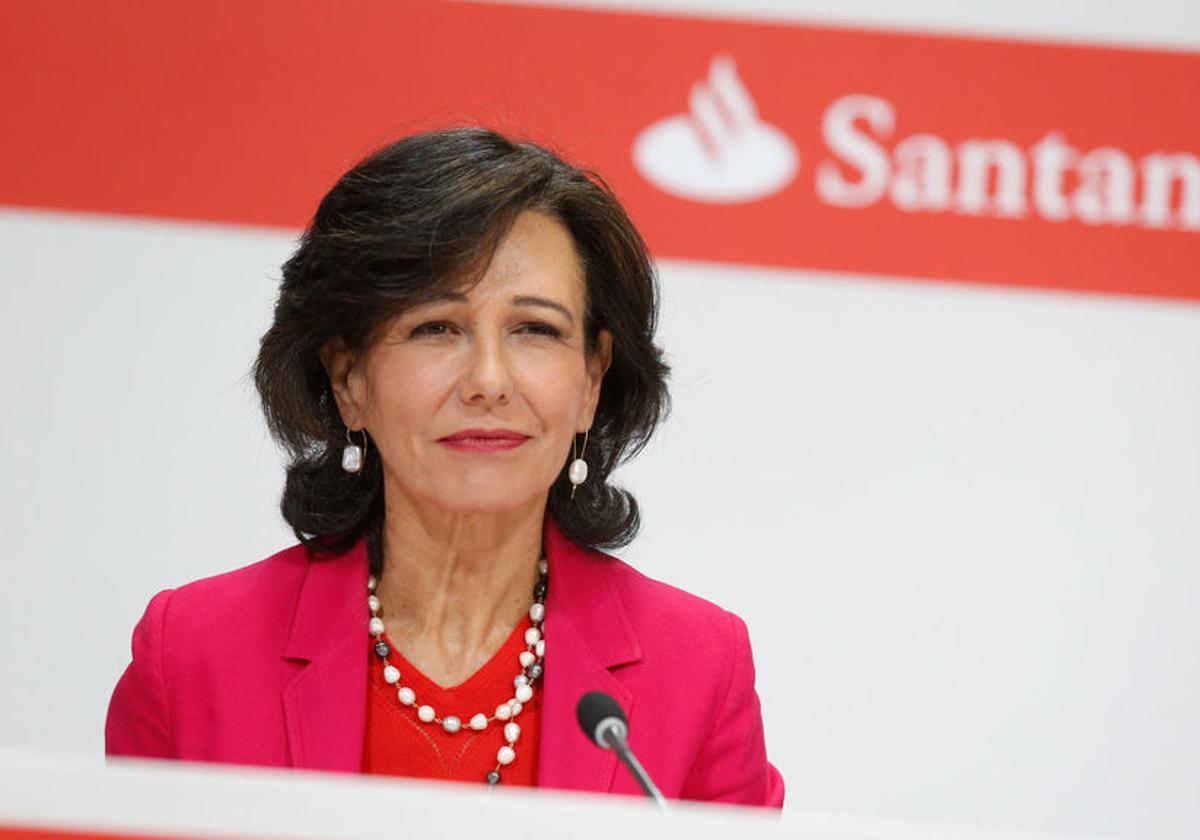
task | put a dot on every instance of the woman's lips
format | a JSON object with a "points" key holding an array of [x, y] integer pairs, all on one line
{"points": [[484, 440]]}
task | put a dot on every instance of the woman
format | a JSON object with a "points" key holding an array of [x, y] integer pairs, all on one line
{"points": [[462, 353]]}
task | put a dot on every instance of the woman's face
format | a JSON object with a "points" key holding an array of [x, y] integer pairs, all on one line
{"points": [[472, 401]]}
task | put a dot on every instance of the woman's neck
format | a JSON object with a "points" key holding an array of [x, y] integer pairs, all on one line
{"points": [[453, 586]]}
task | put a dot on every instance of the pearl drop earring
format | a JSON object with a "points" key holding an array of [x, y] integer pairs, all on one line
{"points": [[353, 455], [578, 471]]}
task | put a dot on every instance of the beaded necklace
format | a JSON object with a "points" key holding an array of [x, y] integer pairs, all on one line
{"points": [[531, 661]]}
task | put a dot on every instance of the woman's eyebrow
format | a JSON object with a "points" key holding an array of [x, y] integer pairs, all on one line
{"points": [[444, 297], [528, 300]]}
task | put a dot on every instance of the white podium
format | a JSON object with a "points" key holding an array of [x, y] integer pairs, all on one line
{"points": [[56, 796]]}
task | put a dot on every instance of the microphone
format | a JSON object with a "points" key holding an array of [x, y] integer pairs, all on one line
{"points": [[603, 721]]}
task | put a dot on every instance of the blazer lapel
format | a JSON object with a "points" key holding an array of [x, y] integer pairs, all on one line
{"points": [[324, 704], [587, 635]]}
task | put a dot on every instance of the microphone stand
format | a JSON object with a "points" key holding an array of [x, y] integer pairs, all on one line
{"points": [[612, 733]]}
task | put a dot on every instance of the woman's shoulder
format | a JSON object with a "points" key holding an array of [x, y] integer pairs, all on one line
{"points": [[644, 594], [678, 624], [188, 644], [248, 585], [251, 598], [659, 613]]}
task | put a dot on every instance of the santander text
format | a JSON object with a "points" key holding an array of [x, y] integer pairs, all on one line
{"points": [[997, 177]]}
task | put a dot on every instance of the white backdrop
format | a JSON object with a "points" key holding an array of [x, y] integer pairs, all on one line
{"points": [[961, 522]]}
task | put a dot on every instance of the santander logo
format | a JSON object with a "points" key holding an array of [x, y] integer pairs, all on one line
{"points": [[719, 151]]}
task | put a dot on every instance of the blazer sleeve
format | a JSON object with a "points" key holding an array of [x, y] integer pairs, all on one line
{"points": [[732, 765], [139, 721]]}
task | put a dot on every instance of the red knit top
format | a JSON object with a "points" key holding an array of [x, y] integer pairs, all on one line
{"points": [[398, 744]]}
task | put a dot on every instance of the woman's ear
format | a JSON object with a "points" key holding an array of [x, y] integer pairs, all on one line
{"points": [[346, 381], [597, 365]]}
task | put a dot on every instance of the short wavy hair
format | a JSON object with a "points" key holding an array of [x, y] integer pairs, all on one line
{"points": [[408, 223]]}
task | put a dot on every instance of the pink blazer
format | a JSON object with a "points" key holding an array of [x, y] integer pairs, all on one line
{"points": [[267, 665]]}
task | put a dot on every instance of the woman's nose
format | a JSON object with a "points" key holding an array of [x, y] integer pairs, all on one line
{"points": [[488, 377]]}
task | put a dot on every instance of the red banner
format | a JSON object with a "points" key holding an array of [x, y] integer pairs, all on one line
{"points": [[990, 161], [43, 833]]}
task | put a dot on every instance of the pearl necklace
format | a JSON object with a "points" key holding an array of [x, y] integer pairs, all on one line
{"points": [[532, 667]]}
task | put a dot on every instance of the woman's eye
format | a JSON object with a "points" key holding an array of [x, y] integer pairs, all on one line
{"points": [[431, 328], [541, 328]]}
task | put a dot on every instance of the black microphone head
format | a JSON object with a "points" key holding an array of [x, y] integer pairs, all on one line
{"points": [[594, 707]]}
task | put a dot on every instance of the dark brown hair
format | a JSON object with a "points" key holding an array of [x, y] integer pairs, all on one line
{"points": [[412, 221]]}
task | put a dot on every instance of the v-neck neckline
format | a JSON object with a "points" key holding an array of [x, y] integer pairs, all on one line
{"points": [[501, 667]]}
